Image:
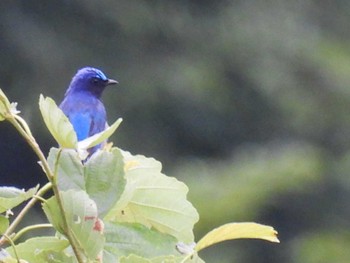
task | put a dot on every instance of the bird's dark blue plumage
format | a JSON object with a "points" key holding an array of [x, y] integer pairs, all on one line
{"points": [[82, 103]]}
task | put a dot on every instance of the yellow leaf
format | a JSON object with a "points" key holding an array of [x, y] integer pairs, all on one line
{"points": [[237, 231]]}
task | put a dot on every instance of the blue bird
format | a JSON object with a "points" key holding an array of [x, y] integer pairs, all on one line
{"points": [[83, 106]]}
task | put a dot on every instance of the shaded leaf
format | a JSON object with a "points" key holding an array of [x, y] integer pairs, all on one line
{"points": [[236, 231], [99, 137], [68, 168], [81, 215], [154, 199], [53, 214], [11, 197], [39, 249], [104, 179], [57, 123], [126, 238], [4, 224]]}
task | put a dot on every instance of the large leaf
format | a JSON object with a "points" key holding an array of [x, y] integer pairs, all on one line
{"points": [[57, 123], [40, 249], [99, 137], [134, 259], [236, 231], [104, 179], [81, 215], [154, 199], [126, 238], [11, 197], [67, 166]]}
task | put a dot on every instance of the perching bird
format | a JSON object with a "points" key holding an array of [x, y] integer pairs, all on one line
{"points": [[82, 103]]}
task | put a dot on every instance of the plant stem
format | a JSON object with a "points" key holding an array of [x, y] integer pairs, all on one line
{"points": [[14, 248], [33, 144], [67, 230], [29, 228], [22, 127], [24, 124]]}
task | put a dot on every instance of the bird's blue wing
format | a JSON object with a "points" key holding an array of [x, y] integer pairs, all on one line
{"points": [[82, 123], [87, 116]]}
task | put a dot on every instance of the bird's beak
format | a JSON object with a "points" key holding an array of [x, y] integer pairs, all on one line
{"points": [[112, 82]]}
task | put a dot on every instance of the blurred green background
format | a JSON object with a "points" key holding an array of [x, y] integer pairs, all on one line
{"points": [[247, 102]]}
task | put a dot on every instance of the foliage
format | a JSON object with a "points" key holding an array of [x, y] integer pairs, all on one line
{"points": [[240, 97], [113, 207]]}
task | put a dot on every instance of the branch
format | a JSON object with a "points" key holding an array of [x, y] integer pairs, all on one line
{"points": [[22, 127]]}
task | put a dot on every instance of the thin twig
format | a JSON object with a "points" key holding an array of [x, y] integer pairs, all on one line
{"points": [[13, 246], [30, 228]]}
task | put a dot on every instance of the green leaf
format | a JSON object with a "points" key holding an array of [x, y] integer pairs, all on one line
{"points": [[4, 105], [124, 239], [57, 123], [163, 259], [53, 213], [4, 224], [104, 179], [99, 137], [81, 215], [11, 197], [39, 249], [134, 259], [154, 199], [236, 231], [67, 166]]}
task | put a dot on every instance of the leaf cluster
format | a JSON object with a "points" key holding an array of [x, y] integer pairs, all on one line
{"points": [[111, 207]]}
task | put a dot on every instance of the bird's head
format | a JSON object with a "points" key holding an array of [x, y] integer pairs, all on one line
{"points": [[90, 80]]}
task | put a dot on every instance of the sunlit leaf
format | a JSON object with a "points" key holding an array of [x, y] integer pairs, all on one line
{"points": [[4, 224], [126, 238], [81, 216], [68, 168], [99, 137], [154, 199], [104, 179], [57, 123], [39, 249], [236, 231], [11, 197]]}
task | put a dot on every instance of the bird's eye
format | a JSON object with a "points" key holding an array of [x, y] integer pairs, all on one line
{"points": [[95, 80]]}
